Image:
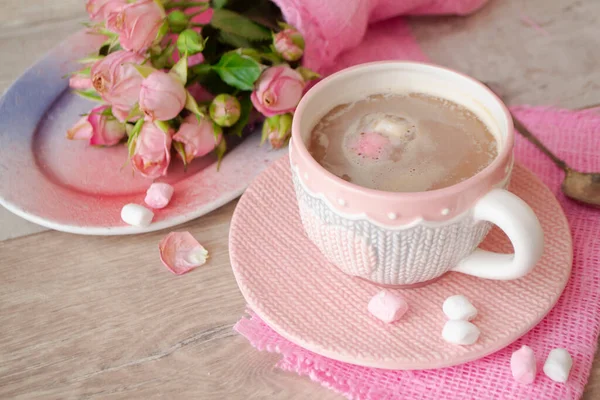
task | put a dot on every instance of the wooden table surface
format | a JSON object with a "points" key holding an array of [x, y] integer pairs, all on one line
{"points": [[99, 317]]}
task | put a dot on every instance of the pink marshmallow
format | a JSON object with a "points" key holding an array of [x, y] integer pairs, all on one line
{"points": [[371, 145], [388, 306], [523, 366], [159, 195]]}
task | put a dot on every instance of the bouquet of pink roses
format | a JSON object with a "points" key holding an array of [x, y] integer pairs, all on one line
{"points": [[183, 76]]}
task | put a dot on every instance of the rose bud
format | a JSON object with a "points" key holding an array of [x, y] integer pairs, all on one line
{"points": [[138, 24], [289, 43], [117, 81], [278, 130], [162, 96], [198, 137], [152, 152], [99, 127], [225, 110], [99, 10], [278, 91]]}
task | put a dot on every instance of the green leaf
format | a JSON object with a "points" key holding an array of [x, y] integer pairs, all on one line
{"points": [[163, 126], [308, 74], [135, 112], [190, 42], [238, 71], [164, 58], [245, 109], [89, 94], [162, 31], [272, 57], [180, 70], [231, 22], [220, 151], [135, 132], [191, 105], [90, 59], [180, 149], [216, 4], [107, 112], [233, 40], [144, 70]]}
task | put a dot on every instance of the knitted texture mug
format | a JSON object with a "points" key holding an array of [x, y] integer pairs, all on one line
{"points": [[412, 238]]}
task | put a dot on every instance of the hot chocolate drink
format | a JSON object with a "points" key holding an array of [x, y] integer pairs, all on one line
{"points": [[402, 143]]}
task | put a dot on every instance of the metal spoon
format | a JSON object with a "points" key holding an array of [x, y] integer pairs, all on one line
{"points": [[580, 186]]}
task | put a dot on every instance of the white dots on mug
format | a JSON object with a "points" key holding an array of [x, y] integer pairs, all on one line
{"points": [[392, 215], [445, 211], [342, 202]]}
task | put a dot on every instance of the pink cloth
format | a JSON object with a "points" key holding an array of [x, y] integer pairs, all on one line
{"points": [[332, 26], [573, 324]]}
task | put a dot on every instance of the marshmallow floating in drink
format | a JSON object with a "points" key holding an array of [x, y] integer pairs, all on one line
{"points": [[393, 126], [460, 332], [136, 215], [159, 195], [388, 306], [523, 366], [458, 307], [558, 365]]}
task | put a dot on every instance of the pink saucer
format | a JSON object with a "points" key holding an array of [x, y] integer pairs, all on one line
{"points": [[307, 300]]}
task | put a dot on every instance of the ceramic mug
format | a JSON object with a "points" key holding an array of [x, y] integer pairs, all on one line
{"points": [[397, 238]]}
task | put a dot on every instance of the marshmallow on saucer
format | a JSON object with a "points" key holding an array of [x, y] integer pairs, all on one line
{"points": [[388, 306], [158, 195], [460, 332], [558, 365], [458, 307], [136, 215], [522, 365]]}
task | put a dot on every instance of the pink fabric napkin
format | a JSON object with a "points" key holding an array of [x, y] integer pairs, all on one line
{"points": [[332, 26], [574, 323], [338, 35]]}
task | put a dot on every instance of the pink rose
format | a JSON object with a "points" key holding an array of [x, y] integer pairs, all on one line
{"points": [[100, 129], [162, 96], [80, 82], [180, 252], [100, 9], [198, 138], [289, 43], [117, 81], [152, 152], [278, 91], [137, 24]]}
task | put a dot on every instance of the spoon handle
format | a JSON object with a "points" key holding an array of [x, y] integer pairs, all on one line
{"points": [[536, 142]]}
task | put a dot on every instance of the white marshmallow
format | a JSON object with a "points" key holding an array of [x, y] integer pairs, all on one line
{"points": [[523, 365], [458, 307], [393, 126], [460, 332], [558, 365], [388, 306], [136, 215]]}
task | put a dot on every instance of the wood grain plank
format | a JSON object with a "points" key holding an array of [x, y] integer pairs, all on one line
{"points": [[91, 317], [99, 317]]}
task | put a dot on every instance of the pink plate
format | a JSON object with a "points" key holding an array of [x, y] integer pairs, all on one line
{"points": [[70, 186], [307, 300]]}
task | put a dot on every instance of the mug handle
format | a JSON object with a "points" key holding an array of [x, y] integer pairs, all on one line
{"points": [[518, 221]]}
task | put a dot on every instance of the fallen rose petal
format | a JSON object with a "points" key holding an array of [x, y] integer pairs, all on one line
{"points": [[180, 252]]}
